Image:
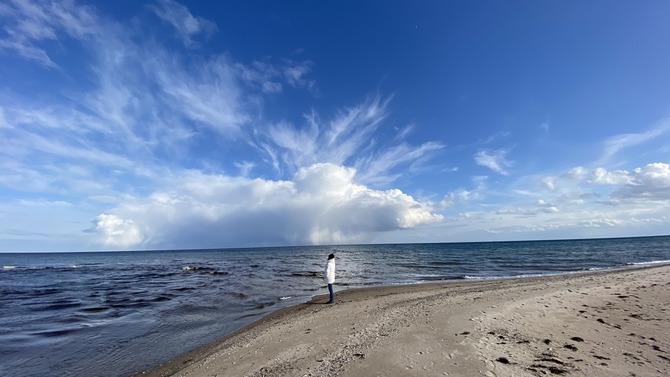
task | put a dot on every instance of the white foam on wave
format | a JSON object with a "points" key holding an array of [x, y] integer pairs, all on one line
{"points": [[8, 267], [649, 263]]}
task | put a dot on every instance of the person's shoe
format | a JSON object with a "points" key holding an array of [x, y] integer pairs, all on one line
{"points": [[330, 302]]}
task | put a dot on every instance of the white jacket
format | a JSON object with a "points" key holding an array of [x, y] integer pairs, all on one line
{"points": [[329, 272]]}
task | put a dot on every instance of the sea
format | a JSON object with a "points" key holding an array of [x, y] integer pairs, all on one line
{"points": [[119, 313]]}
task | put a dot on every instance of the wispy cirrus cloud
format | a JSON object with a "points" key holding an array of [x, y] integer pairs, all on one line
{"points": [[184, 22], [617, 143], [29, 26], [378, 168], [334, 142], [270, 77], [297, 73], [495, 160], [346, 140], [135, 115]]}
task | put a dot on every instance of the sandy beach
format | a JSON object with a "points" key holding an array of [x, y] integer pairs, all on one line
{"points": [[614, 323]]}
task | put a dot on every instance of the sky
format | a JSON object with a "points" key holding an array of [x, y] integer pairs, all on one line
{"points": [[131, 125]]}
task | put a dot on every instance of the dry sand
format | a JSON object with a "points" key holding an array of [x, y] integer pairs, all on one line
{"points": [[595, 324]]}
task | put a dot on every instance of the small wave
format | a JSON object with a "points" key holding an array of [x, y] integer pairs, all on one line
{"points": [[243, 316], [130, 304], [55, 333], [443, 263], [443, 278], [209, 270], [263, 305], [648, 263], [57, 306], [416, 266], [95, 309], [39, 268], [307, 274], [286, 298], [196, 268], [238, 295]]}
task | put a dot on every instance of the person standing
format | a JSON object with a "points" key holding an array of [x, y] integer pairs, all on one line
{"points": [[329, 276]]}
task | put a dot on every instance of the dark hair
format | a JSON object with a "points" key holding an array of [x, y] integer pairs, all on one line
{"points": [[331, 256]]}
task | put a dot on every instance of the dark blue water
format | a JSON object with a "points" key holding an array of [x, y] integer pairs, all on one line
{"points": [[111, 314]]}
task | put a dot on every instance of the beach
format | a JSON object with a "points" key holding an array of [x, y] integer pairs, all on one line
{"points": [[607, 323]]}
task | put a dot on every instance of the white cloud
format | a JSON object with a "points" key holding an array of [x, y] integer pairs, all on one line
{"points": [[209, 96], [649, 184], [142, 107], [27, 24], [459, 197], [117, 232], [577, 173], [295, 73], [378, 167], [549, 182], [613, 145], [602, 176], [186, 25], [345, 140], [320, 205], [530, 209], [494, 160], [268, 76]]}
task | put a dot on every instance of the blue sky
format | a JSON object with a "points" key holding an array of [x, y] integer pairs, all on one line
{"points": [[164, 124]]}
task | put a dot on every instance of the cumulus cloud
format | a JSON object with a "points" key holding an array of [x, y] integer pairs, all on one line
{"points": [[649, 183], [494, 159], [321, 204], [117, 232]]}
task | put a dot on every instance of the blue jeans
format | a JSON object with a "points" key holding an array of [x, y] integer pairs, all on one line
{"points": [[332, 295]]}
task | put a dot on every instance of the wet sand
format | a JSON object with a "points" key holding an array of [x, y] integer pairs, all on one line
{"points": [[614, 323]]}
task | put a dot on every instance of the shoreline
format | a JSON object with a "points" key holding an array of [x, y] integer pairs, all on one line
{"points": [[502, 327]]}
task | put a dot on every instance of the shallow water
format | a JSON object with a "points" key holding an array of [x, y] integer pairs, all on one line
{"points": [[114, 313]]}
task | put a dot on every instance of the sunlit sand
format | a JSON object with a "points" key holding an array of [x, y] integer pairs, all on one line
{"points": [[594, 324]]}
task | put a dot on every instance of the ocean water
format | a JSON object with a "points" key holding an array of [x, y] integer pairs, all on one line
{"points": [[116, 313]]}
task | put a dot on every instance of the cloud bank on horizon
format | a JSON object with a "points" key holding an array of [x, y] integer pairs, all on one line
{"points": [[167, 124]]}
